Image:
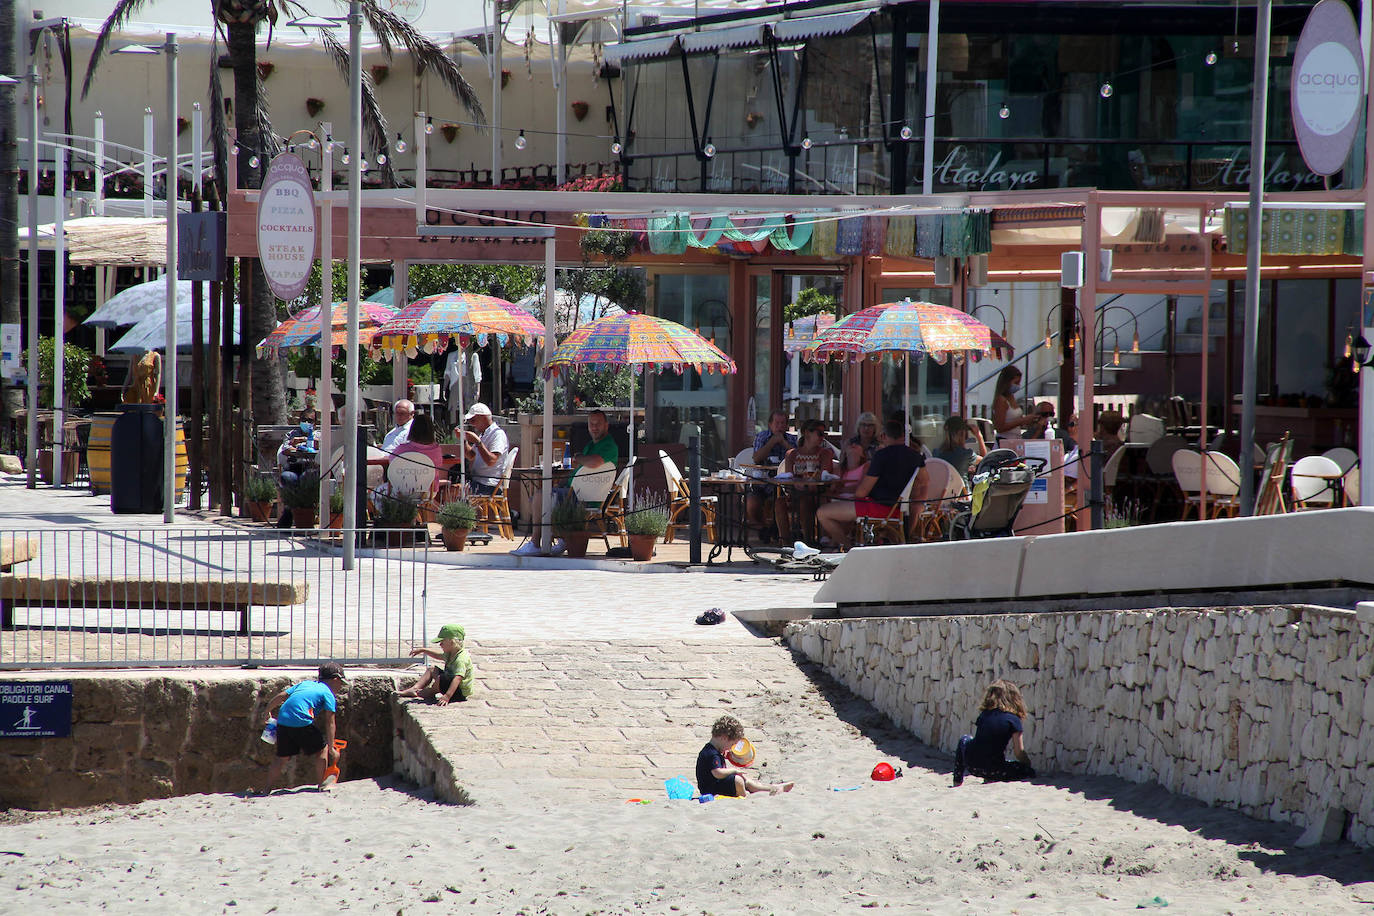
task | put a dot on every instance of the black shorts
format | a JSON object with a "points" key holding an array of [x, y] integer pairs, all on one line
{"points": [[299, 739], [711, 785], [444, 681]]}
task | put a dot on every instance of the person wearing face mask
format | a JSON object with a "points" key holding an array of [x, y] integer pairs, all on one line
{"points": [[1007, 416]]}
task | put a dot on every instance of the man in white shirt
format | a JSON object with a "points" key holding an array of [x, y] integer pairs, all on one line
{"points": [[401, 414], [486, 444]]}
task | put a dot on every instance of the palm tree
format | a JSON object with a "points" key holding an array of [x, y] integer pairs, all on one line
{"points": [[237, 24]]}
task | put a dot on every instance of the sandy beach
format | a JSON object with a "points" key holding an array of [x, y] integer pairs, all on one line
{"points": [[838, 843]]}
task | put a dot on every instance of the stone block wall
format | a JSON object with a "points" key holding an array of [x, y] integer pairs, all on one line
{"points": [[143, 734], [1268, 710]]}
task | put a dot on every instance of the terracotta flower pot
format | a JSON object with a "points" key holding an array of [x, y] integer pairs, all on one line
{"points": [[454, 538], [576, 543], [304, 517], [260, 510], [642, 546], [336, 521]]}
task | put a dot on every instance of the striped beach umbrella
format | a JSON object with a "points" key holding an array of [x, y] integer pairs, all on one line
{"points": [[429, 324], [903, 329], [305, 330]]}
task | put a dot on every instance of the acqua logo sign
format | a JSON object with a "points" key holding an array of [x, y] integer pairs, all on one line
{"points": [[1327, 86]]}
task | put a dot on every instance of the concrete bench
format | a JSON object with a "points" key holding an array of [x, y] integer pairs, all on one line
{"points": [[107, 592]]}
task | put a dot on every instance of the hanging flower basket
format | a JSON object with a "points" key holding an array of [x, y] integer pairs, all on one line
{"points": [[449, 130], [379, 74], [579, 110], [182, 124], [314, 106], [505, 78], [265, 68]]}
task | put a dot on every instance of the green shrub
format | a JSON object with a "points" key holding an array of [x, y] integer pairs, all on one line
{"points": [[459, 515], [259, 489], [76, 366], [648, 517], [396, 512], [303, 494], [336, 501], [569, 515]]}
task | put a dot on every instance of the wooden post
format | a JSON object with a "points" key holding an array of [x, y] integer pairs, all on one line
{"points": [[195, 430]]}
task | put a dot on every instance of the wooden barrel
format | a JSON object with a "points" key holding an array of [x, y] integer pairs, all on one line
{"points": [[98, 451]]}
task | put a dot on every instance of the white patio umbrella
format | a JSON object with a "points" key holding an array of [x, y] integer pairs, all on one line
{"points": [[151, 333], [589, 308], [132, 305]]}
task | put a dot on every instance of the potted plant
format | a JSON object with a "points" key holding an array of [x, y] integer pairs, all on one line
{"points": [[259, 493], [569, 520], [302, 497], [456, 519], [336, 507], [644, 525], [395, 520]]}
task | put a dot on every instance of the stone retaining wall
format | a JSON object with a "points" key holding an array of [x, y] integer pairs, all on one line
{"points": [[1268, 710], [145, 734]]}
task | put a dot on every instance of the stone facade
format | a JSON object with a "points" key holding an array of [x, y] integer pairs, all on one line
{"points": [[1268, 710], [142, 735]]}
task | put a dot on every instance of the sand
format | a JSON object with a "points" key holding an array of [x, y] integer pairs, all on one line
{"points": [[1064, 844]]}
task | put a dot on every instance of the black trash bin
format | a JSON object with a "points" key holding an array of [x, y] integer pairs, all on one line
{"points": [[136, 460]]}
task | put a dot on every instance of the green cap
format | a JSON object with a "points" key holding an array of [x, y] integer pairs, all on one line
{"points": [[451, 631]]}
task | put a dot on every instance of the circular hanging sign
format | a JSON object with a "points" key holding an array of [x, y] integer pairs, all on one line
{"points": [[286, 226], [1327, 86]]}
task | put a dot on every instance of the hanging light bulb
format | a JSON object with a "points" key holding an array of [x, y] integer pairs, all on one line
{"points": [[234, 151], [1135, 341], [381, 159], [1004, 112], [253, 161], [1349, 342], [346, 157], [1106, 90], [905, 132], [1049, 338], [312, 143], [400, 143], [429, 125], [1116, 354], [520, 141], [616, 148], [709, 150], [806, 143], [1211, 59], [362, 163]]}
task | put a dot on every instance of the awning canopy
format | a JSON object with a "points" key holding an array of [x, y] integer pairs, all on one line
{"points": [[647, 49], [813, 26], [110, 241], [740, 36]]}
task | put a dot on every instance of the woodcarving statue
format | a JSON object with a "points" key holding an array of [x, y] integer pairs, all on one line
{"points": [[147, 374]]}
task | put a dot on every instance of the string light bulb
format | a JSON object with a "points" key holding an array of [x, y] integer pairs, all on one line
{"points": [[429, 125], [709, 150], [1211, 59], [254, 161], [1106, 90], [1116, 355], [1349, 343], [400, 143], [616, 148], [1135, 341], [381, 159], [520, 141], [347, 158], [806, 143], [1004, 112], [312, 143], [905, 132]]}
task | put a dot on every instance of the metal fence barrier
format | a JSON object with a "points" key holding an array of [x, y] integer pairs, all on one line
{"points": [[142, 597]]}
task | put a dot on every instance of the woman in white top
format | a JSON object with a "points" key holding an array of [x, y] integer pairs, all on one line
{"points": [[1007, 416]]}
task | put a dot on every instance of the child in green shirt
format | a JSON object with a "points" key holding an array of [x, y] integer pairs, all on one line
{"points": [[452, 682]]}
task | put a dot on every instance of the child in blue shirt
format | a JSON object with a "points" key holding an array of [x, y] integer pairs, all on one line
{"points": [[305, 722], [999, 724], [717, 776]]}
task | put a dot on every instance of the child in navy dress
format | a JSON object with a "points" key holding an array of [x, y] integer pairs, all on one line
{"points": [[999, 724]]}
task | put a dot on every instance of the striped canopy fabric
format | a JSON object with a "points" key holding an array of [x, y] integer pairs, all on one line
{"points": [[303, 330], [429, 324], [633, 339], [900, 329]]}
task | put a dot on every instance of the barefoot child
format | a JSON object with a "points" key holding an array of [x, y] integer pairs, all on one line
{"points": [[999, 723], [305, 722], [452, 682], [717, 776]]}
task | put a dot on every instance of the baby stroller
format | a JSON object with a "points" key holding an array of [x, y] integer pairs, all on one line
{"points": [[1000, 486]]}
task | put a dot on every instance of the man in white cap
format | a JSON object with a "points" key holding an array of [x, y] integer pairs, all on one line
{"points": [[485, 444]]}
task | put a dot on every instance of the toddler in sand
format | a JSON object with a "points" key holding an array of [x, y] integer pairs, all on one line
{"points": [[453, 681], [999, 723], [717, 776]]}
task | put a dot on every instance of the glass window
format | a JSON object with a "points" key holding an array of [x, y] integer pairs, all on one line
{"points": [[763, 350], [699, 302], [812, 390]]}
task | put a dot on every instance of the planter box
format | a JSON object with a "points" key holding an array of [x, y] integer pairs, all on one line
{"points": [[70, 460]]}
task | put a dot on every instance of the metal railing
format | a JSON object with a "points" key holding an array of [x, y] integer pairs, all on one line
{"points": [[145, 597]]}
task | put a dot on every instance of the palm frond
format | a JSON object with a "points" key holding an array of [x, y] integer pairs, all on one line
{"points": [[219, 128], [373, 118], [118, 16], [392, 29]]}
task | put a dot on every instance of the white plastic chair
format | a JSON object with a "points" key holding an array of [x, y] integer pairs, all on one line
{"points": [[1144, 428], [610, 515], [945, 484], [591, 486], [1223, 482], [1314, 482], [1344, 457], [411, 475], [680, 501]]}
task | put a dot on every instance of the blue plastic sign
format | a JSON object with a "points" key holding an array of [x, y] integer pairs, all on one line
{"points": [[35, 709]]}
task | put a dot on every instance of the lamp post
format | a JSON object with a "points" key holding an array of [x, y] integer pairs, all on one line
{"points": [[169, 365]]}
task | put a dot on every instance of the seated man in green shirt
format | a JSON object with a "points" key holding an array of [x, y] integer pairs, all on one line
{"points": [[601, 452]]}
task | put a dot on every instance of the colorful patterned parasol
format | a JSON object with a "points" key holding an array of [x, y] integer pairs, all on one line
{"points": [[636, 340], [303, 330], [429, 324], [800, 336], [633, 339], [900, 329]]}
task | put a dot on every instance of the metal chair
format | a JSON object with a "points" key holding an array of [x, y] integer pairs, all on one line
{"points": [[1314, 480], [493, 509], [871, 527], [680, 502]]}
